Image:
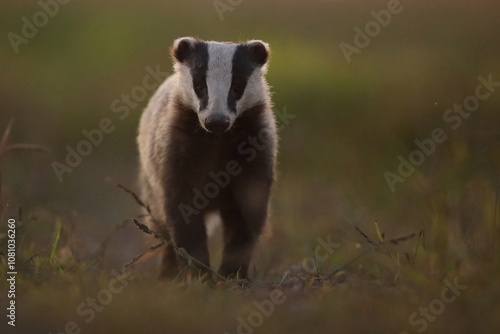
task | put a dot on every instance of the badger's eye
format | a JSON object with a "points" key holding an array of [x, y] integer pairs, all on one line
{"points": [[236, 89], [199, 87]]}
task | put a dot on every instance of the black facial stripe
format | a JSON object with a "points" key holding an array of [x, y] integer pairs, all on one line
{"points": [[198, 63], [243, 67]]}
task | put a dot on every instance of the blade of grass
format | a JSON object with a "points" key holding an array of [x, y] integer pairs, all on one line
{"points": [[396, 241], [495, 227], [421, 235], [367, 238], [91, 264], [380, 237], [26, 147], [5, 137], [54, 247]]}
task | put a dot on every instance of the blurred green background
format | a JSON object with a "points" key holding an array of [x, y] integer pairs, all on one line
{"points": [[351, 123]]}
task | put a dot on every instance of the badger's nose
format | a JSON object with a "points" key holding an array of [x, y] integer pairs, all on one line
{"points": [[217, 123]]}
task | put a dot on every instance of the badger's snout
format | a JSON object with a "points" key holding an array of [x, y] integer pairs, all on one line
{"points": [[217, 123]]}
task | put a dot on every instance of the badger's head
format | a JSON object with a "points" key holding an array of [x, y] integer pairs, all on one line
{"points": [[220, 81]]}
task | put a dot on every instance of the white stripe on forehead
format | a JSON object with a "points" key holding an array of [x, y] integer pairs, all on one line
{"points": [[220, 59], [219, 73]]}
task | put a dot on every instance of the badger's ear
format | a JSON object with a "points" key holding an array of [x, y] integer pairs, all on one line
{"points": [[183, 48], [259, 51]]}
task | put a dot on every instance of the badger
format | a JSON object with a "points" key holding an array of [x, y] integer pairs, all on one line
{"points": [[207, 143]]}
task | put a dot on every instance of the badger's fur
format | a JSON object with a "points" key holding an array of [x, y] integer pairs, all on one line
{"points": [[209, 129]]}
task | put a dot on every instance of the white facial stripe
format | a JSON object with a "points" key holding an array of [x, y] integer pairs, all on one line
{"points": [[219, 75]]}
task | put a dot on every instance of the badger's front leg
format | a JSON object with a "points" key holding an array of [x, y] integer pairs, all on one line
{"points": [[243, 213], [188, 234], [193, 238]]}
